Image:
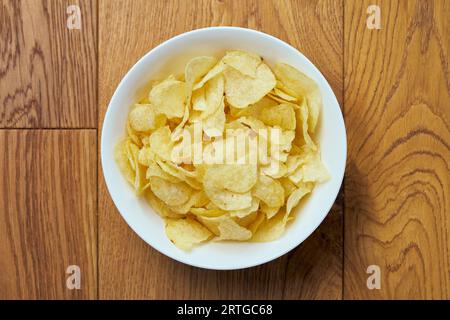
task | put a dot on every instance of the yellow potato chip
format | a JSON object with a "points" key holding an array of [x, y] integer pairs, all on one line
{"points": [[242, 90], [295, 197], [275, 169], [226, 228], [122, 160], [253, 110], [176, 134], [244, 62], [197, 68], [302, 128], [247, 220], [199, 100], [143, 118], [296, 160], [283, 95], [217, 69], [146, 156], [260, 218], [173, 194], [269, 211], [301, 86], [185, 233], [213, 92], [214, 124], [247, 211], [269, 191], [230, 230], [288, 186], [197, 198], [311, 170], [282, 115], [160, 207], [203, 212], [272, 229], [169, 98], [140, 182], [285, 89], [254, 123], [154, 170], [232, 177], [227, 200], [161, 143], [179, 172], [132, 152]]}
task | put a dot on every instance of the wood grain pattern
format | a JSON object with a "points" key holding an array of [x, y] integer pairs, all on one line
{"points": [[47, 72], [397, 110], [47, 218], [127, 30]]}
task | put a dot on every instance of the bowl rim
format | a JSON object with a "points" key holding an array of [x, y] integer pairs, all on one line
{"points": [[264, 258]]}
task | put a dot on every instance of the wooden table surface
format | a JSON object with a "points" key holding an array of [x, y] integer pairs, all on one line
{"points": [[393, 85]]}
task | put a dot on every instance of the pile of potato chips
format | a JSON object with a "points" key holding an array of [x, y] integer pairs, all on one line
{"points": [[224, 200]]}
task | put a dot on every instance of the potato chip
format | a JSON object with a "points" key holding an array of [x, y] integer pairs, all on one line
{"points": [[253, 123], [285, 89], [122, 160], [133, 135], [230, 230], [143, 118], [203, 212], [213, 90], [197, 198], [232, 177], [199, 100], [227, 200], [218, 69], [275, 169], [302, 131], [173, 194], [181, 173], [288, 186], [295, 197], [296, 160], [154, 170], [282, 115], [244, 62], [225, 228], [242, 90], [269, 211], [212, 222], [247, 220], [301, 86], [140, 182], [269, 191], [161, 143], [132, 152], [185, 233], [272, 229], [169, 97], [247, 211], [160, 207], [214, 125], [197, 68], [176, 134], [146, 156], [253, 110], [260, 218], [283, 95], [311, 170]]}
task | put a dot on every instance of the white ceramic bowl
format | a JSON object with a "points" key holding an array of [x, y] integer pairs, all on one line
{"points": [[170, 57]]}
